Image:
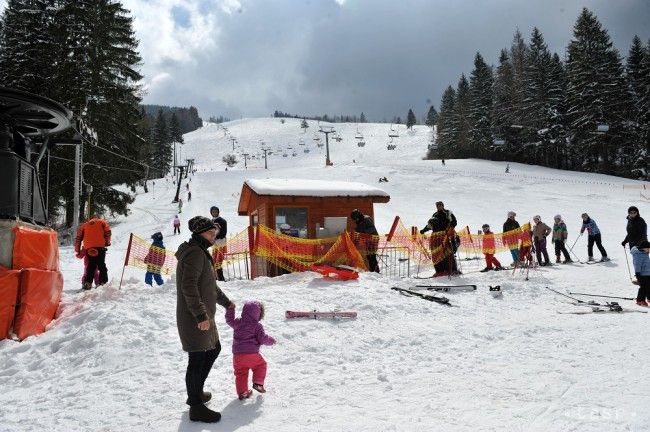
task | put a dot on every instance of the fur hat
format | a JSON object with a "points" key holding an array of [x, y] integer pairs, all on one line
{"points": [[199, 224], [356, 215], [557, 217], [512, 214]]}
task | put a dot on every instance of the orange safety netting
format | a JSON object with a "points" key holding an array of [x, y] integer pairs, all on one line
{"points": [[298, 254], [234, 249], [495, 242], [144, 255]]}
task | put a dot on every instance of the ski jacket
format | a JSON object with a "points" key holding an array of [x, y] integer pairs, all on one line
{"points": [[177, 221], [248, 333], [366, 226], [93, 234], [367, 235], [155, 258], [510, 224], [197, 295], [441, 221], [488, 243], [637, 231], [590, 226], [641, 262], [560, 233], [223, 227], [541, 231]]}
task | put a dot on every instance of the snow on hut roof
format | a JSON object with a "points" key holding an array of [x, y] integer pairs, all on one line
{"points": [[313, 188]]}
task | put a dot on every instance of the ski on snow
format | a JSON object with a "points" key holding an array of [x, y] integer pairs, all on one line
{"points": [[432, 298], [448, 288], [596, 310], [320, 315]]}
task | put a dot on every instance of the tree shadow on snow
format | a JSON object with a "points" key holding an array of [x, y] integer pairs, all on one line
{"points": [[233, 416]]}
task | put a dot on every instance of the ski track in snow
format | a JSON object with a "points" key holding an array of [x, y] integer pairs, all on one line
{"points": [[111, 361]]}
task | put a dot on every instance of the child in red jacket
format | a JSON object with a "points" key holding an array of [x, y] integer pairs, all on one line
{"points": [[489, 250]]}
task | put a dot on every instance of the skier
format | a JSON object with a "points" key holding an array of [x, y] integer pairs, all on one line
{"points": [[95, 235], [641, 263], [197, 296], [443, 162], [637, 230], [366, 238], [507, 168], [593, 236], [220, 243], [489, 250], [560, 235], [511, 235], [154, 260], [177, 225], [442, 223], [189, 196], [540, 232], [248, 336], [180, 205]]}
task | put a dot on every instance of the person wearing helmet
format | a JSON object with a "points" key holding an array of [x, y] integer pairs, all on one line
{"points": [[366, 238]]}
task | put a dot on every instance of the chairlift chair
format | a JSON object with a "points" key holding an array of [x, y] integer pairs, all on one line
{"points": [[361, 143]]}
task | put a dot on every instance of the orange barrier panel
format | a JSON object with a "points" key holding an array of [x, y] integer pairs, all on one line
{"points": [[35, 249], [9, 284], [40, 292]]}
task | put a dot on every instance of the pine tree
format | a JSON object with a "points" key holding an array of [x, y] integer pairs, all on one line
{"points": [[517, 133], [27, 45], [161, 139], [480, 107], [462, 119], [446, 126], [503, 110], [596, 94], [410, 119], [304, 125], [636, 85], [362, 118], [644, 108], [556, 115], [432, 117]]}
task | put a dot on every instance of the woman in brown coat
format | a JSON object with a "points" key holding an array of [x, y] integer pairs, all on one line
{"points": [[540, 232], [197, 295]]}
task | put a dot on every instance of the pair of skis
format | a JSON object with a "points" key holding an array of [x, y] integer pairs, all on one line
{"points": [[595, 306], [320, 315], [432, 298]]}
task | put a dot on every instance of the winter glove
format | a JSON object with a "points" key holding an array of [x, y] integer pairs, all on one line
{"points": [[422, 231], [80, 254], [623, 243]]}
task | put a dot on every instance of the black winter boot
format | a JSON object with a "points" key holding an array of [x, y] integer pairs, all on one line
{"points": [[204, 414], [205, 397]]}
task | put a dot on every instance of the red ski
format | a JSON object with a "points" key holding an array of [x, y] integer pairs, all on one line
{"points": [[319, 315]]}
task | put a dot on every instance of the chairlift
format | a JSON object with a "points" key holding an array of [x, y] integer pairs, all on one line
{"points": [[361, 143], [316, 137], [284, 155], [391, 146], [294, 154], [301, 142], [306, 150], [320, 144], [338, 137]]}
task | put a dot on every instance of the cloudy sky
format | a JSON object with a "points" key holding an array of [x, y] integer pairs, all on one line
{"points": [[250, 57]]}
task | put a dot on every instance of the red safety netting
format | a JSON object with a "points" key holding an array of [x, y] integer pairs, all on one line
{"points": [[144, 255]]}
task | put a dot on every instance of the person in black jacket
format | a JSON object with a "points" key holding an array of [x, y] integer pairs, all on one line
{"points": [[220, 242], [512, 241], [367, 238], [442, 223], [637, 230]]}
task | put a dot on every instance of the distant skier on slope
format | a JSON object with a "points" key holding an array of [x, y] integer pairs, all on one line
{"points": [[593, 236], [248, 336]]}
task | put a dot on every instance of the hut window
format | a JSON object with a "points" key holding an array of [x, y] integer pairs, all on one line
{"points": [[291, 220]]}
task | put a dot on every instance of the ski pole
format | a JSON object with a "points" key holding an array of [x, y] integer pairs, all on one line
{"points": [[571, 248], [603, 296], [568, 296], [628, 263]]}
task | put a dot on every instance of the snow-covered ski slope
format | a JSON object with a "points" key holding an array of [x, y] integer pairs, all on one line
{"points": [[112, 360]]}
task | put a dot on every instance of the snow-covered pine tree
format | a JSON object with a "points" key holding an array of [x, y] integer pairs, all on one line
{"points": [[518, 50], [596, 94], [536, 104], [556, 115], [480, 108], [502, 114], [410, 119], [432, 117], [362, 118], [446, 126], [644, 108], [638, 125], [304, 125], [162, 141], [462, 133]]}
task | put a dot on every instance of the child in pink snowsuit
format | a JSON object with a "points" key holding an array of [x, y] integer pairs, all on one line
{"points": [[248, 335]]}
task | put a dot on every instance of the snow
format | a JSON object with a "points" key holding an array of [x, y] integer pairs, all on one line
{"points": [[313, 188], [112, 359]]}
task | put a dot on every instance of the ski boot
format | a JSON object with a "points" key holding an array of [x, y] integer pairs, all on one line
{"points": [[604, 259], [591, 259], [486, 269]]}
